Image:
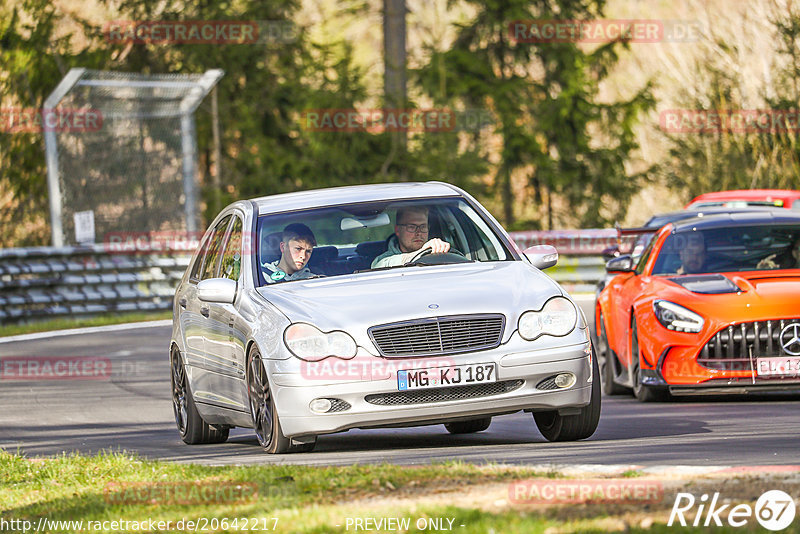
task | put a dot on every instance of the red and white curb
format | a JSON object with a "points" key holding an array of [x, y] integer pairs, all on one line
{"points": [[667, 471]]}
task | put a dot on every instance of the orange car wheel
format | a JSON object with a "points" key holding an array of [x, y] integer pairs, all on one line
{"points": [[606, 360], [642, 392]]}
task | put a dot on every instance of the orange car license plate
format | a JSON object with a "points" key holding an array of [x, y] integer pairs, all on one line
{"points": [[789, 365]]}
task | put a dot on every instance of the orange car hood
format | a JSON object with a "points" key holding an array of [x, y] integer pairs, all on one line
{"points": [[753, 295]]}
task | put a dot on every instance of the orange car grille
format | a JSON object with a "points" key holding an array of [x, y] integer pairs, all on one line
{"points": [[735, 348], [438, 335]]}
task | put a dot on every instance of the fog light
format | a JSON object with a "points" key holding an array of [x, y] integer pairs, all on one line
{"points": [[565, 380], [320, 405]]}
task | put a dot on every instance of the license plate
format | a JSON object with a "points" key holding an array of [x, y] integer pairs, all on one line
{"points": [[455, 375], [778, 366]]}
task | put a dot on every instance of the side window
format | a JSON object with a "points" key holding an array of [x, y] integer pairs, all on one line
{"points": [[214, 249], [232, 257], [645, 255], [198, 261]]}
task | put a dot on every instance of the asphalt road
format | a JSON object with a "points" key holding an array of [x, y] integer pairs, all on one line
{"points": [[130, 409]]}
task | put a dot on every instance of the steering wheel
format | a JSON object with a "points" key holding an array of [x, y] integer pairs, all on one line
{"points": [[453, 256], [420, 253]]}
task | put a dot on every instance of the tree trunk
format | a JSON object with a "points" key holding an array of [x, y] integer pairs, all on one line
{"points": [[394, 70]]}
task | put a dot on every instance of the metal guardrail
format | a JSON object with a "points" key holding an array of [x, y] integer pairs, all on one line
{"points": [[50, 282], [578, 274], [570, 242]]}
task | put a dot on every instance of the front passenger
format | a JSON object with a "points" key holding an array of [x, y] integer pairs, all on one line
{"points": [[297, 244]]}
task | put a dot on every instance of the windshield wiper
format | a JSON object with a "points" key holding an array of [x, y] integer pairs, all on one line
{"points": [[411, 265], [388, 267]]}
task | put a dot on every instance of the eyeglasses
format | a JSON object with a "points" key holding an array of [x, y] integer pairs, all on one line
{"points": [[414, 228]]}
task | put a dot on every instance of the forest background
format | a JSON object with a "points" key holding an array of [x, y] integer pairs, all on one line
{"points": [[576, 137]]}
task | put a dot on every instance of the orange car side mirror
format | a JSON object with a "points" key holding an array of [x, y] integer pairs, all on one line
{"points": [[622, 264]]}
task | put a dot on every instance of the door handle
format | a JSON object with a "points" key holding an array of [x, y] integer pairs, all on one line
{"points": [[182, 302], [204, 311]]}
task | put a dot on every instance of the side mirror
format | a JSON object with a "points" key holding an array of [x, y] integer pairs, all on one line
{"points": [[542, 256], [622, 264], [221, 290], [610, 253]]}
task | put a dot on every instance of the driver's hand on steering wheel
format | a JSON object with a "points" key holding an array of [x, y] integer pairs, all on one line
{"points": [[437, 246]]}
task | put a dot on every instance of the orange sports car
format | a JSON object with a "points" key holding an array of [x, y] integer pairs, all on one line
{"points": [[711, 306]]}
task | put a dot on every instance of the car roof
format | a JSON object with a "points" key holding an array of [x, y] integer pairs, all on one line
{"points": [[353, 194], [660, 219], [736, 219], [748, 194]]}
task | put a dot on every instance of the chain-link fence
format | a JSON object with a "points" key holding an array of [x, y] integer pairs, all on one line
{"points": [[131, 161]]}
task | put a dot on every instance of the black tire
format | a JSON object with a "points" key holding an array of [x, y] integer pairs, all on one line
{"points": [[191, 427], [468, 427], [606, 359], [640, 391], [266, 423], [555, 427]]}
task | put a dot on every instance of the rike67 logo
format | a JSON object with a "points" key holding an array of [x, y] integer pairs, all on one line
{"points": [[774, 510]]}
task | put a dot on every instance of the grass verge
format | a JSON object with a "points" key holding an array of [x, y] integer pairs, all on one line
{"points": [[117, 492], [66, 323]]}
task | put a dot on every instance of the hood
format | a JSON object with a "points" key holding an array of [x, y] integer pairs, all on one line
{"points": [[764, 284], [356, 302], [770, 284], [735, 297], [706, 284]]}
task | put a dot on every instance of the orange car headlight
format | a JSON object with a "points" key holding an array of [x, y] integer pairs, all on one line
{"points": [[677, 318]]}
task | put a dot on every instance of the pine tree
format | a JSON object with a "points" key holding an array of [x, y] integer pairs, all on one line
{"points": [[544, 98]]}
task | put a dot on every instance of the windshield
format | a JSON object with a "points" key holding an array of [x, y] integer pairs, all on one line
{"points": [[348, 239], [720, 250]]}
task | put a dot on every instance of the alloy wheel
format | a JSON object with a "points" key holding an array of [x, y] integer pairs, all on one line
{"points": [[260, 401]]}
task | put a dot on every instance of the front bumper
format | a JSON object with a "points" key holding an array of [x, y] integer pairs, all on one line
{"points": [[677, 370], [736, 387], [529, 367]]}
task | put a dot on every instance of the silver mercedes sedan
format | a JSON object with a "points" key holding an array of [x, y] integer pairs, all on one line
{"points": [[405, 304]]}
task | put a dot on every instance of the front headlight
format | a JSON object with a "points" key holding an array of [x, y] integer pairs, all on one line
{"points": [[556, 318], [309, 343], [677, 318]]}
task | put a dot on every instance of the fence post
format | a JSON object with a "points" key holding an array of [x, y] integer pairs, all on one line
{"points": [[189, 148], [51, 154]]}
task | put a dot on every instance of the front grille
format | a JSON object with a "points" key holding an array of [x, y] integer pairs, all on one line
{"points": [[732, 348], [438, 335], [425, 396]]}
